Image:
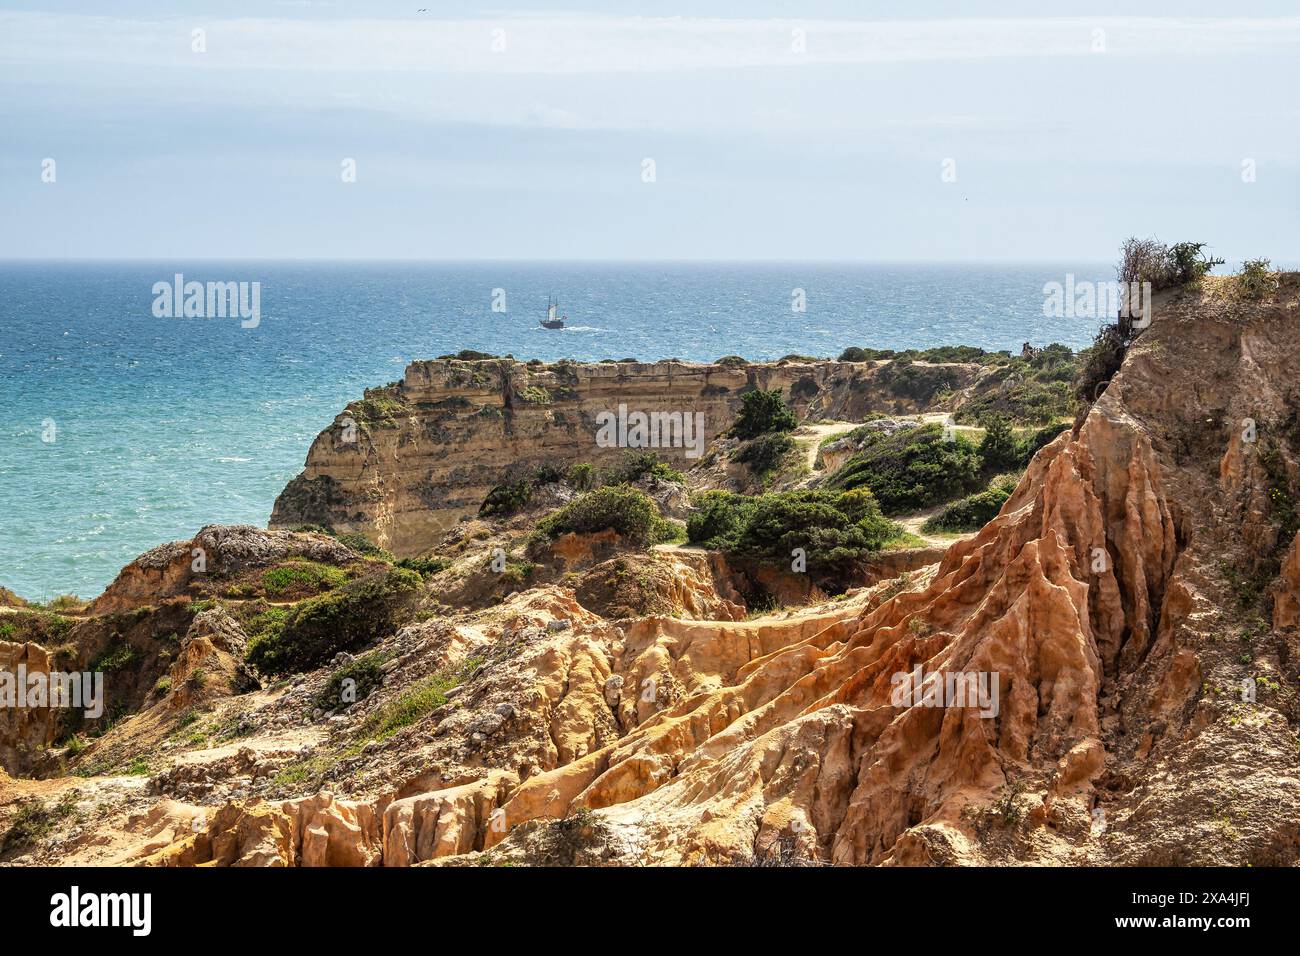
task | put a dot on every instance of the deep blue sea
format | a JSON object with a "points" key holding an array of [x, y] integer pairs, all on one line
{"points": [[162, 425]]}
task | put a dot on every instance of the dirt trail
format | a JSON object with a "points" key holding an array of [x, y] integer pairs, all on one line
{"points": [[812, 436], [913, 524]]}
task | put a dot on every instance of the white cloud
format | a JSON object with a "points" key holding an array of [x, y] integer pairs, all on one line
{"points": [[569, 43]]}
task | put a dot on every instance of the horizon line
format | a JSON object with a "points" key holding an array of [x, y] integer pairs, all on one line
{"points": [[544, 261]]}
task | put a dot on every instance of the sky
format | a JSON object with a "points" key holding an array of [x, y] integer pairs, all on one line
{"points": [[882, 131]]}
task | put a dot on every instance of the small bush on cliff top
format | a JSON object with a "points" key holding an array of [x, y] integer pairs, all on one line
{"points": [[964, 354], [762, 412], [1150, 260], [1255, 279], [472, 355], [912, 469], [356, 614]]}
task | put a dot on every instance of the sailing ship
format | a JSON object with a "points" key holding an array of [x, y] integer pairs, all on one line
{"points": [[553, 320]]}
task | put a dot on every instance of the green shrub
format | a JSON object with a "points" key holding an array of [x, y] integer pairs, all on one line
{"points": [[582, 476], [380, 407], [366, 673], [1150, 260], [1101, 360], [506, 499], [1025, 390], [547, 475], [974, 511], [364, 546], [356, 614], [765, 453], [1255, 279], [964, 354], [837, 530], [302, 575], [998, 448], [855, 354], [636, 465], [536, 395], [762, 412], [472, 355], [266, 624], [625, 510], [718, 520], [961, 354], [425, 567], [912, 469], [113, 658], [1185, 262]]}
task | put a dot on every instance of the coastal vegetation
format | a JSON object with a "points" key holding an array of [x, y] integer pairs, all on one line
{"points": [[630, 513], [510, 498], [836, 530], [763, 412], [342, 620], [912, 468], [974, 511]]}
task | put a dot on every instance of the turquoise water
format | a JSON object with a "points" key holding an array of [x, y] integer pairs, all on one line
{"points": [[163, 425]]}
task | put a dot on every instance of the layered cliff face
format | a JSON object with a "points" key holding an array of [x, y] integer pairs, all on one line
{"points": [[411, 459], [1105, 674]]}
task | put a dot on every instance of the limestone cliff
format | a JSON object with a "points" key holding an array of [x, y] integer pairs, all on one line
{"points": [[409, 460]]}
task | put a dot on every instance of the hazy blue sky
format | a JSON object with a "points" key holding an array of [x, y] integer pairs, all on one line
{"points": [[536, 150]]}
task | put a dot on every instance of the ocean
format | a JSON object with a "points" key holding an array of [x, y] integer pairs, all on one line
{"points": [[123, 430]]}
